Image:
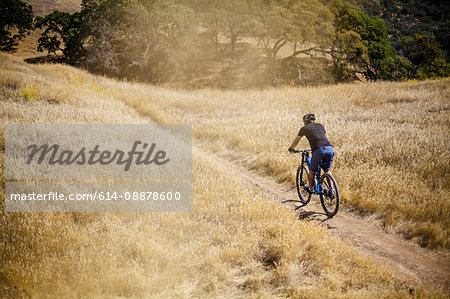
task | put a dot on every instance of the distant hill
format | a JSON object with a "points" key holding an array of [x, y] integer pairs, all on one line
{"points": [[407, 17], [44, 7]]}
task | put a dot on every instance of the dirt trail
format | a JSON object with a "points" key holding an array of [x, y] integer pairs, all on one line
{"points": [[407, 258]]}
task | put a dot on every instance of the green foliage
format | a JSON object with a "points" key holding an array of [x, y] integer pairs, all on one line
{"points": [[348, 50], [394, 68], [231, 19], [426, 56], [15, 22], [419, 32], [124, 38], [408, 17], [63, 32], [165, 40], [303, 24], [361, 45], [136, 39]]}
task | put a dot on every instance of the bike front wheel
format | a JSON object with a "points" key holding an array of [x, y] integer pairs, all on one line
{"points": [[329, 196], [302, 179]]}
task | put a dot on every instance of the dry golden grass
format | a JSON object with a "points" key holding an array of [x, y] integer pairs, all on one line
{"points": [[391, 143], [235, 243]]}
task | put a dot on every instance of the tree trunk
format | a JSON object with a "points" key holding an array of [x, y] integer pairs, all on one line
{"points": [[233, 39]]}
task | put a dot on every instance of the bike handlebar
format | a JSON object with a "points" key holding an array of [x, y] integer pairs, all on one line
{"points": [[301, 151]]}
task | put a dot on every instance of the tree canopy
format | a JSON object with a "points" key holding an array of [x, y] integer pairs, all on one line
{"points": [[162, 40], [15, 22]]}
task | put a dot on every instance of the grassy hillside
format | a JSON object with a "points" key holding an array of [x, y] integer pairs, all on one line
{"points": [[44, 7], [236, 242], [391, 142]]}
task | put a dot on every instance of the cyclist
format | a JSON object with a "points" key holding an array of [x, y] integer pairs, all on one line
{"points": [[322, 150]]}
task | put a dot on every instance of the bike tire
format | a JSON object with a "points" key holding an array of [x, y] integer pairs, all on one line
{"points": [[330, 205], [301, 180]]}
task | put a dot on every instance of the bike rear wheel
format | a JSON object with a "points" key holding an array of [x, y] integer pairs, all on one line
{"points": [[329, 196], [302, 179]]}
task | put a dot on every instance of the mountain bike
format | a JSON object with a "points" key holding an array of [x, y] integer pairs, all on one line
{"points": [[324, 185]]}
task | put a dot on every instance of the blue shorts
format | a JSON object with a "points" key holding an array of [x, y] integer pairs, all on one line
{"points": [[323, 154]]}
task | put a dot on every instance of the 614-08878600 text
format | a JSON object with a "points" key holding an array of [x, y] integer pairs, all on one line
{"points": [[97, 195]]}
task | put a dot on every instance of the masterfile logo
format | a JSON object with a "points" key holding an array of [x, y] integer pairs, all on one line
{"points": [[98, 151], [53, 155], [127, 168]]}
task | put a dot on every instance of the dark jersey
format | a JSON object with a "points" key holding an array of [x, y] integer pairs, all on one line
{"points": [[315, 133]]}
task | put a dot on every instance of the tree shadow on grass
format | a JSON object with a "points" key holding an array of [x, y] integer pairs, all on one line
{"points": [[46, 59]]}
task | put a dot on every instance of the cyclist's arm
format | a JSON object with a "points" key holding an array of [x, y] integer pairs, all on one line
{"points": [[295, 142]]}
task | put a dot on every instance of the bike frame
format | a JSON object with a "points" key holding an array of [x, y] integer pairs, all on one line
{"points": [[327, 188], [318, 189]]}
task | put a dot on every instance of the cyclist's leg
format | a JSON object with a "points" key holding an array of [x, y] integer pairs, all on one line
{"points": [[311, 180], [326, 166], [327, 158], [316, 157]]}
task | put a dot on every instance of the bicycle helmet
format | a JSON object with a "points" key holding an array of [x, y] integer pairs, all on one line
{"points": [[309, 118]]}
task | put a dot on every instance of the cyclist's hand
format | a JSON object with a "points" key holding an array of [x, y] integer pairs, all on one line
{"points": [[291, 150]]}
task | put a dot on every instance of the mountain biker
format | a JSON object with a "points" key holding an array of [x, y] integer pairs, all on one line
{"points": [[322, 150]]}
